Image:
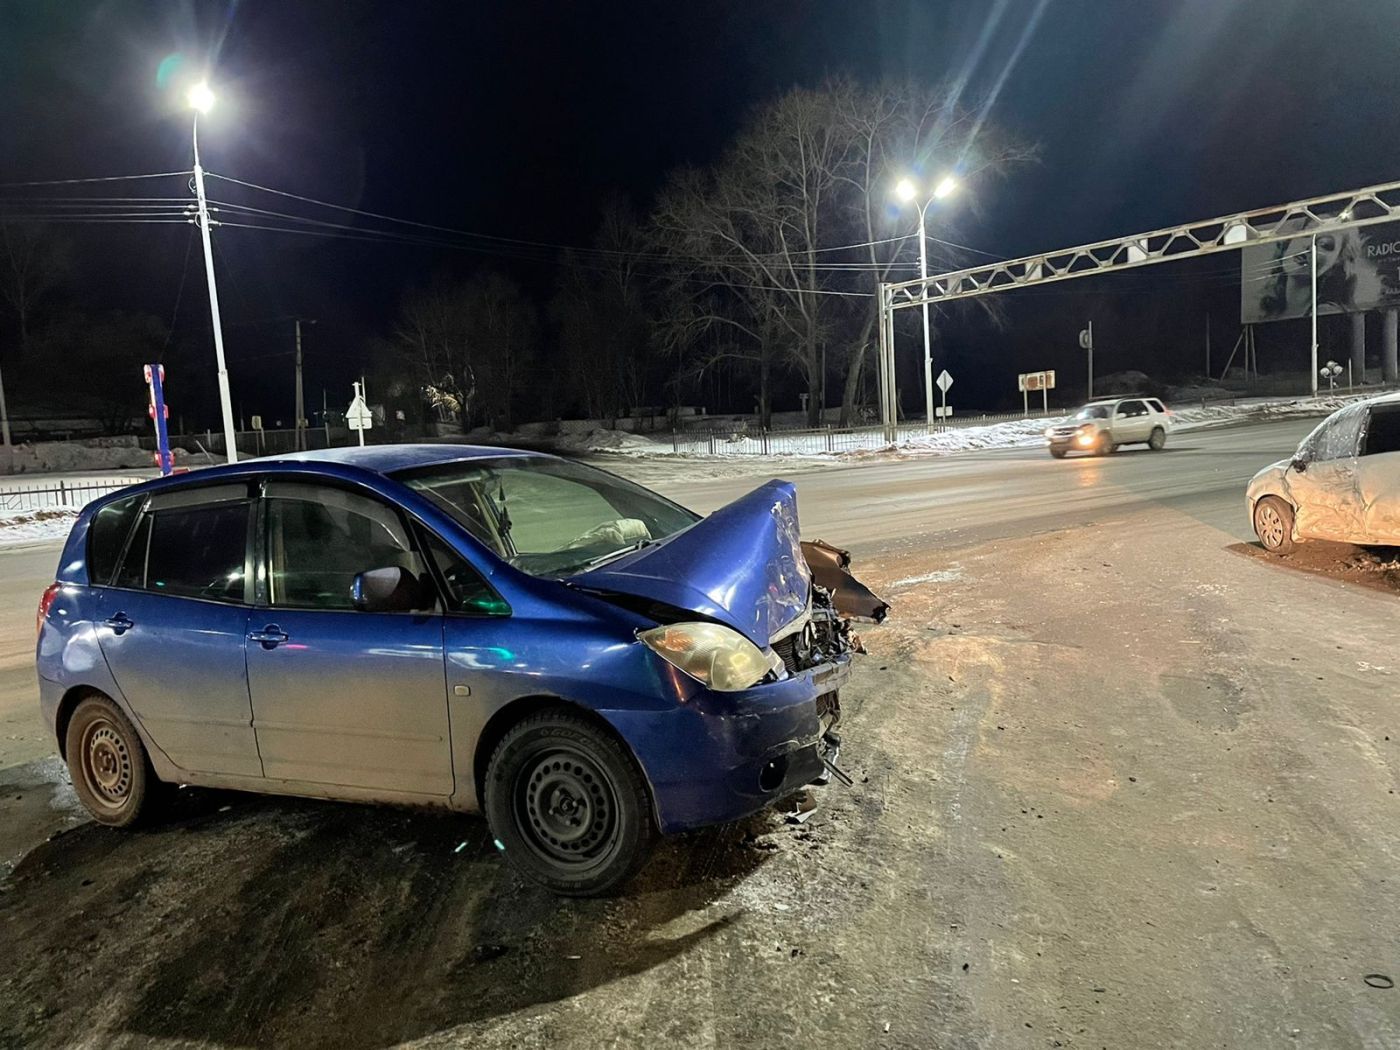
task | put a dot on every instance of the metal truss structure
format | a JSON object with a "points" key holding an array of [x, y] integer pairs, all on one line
{"points": [[1301, 219]]}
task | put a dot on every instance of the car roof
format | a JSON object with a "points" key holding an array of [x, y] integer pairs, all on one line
{"points": [[387, 459], [375, 459]]}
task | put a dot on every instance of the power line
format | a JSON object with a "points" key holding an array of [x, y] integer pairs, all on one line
{"points": [[578, 249], [106, 178]]}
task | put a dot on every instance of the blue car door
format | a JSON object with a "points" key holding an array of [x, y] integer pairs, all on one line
{"points": [[172, 625], [342, 696]]}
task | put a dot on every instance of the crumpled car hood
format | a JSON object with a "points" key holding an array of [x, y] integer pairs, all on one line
{"points": [[742, 566]]}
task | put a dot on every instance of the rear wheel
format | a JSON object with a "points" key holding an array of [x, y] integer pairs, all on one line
{"points": [[568, 804], [111, 773], [1158, 440], [1273, 524]]}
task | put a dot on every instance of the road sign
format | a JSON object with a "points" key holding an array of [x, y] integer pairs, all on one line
{"points": [[1036, 381], [944, 380], [944, 411], [358, 416]]}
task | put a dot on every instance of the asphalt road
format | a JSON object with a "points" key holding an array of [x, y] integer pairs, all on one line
{"points": [[1121, 781], [984, 496], [869, 507]]}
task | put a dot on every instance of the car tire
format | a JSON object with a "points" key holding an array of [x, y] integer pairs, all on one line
{"points": [[1273, 524], [1105, 446], [568, 804], [108, 764], [1158, 440], [1058, 453]]}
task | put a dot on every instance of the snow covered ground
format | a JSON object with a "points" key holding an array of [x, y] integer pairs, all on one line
{"points": [[41, 509], [1016, 433]]}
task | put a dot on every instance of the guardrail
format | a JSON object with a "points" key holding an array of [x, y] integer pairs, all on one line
{"points": [[60, 495]]}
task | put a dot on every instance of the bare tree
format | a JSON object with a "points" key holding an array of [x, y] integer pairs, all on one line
{"points": [[782, 243], [604, 336], [470, 342], [33, 262]]}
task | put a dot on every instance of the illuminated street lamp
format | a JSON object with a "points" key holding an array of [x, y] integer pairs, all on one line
{"points": [[201, 100], [908, 191]]}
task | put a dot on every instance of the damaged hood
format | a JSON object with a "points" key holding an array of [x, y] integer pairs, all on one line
{"points": [[742, 566]]}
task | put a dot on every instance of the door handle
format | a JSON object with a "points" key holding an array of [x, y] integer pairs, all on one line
{"points": [[270, 636], [119, 622]]}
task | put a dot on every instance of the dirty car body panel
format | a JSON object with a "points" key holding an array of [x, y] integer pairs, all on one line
{"points": [[276, 681], [1343, 483]]}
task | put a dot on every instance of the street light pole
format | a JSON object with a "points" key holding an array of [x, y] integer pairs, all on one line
{"points": [[201, 99], [907, 191], [928, 350]]}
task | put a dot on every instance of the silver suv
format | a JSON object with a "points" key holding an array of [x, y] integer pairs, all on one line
{"points": [[1101, 426]]}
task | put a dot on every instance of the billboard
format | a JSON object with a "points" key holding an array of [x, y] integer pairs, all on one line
{"points": [[1357, 269]]}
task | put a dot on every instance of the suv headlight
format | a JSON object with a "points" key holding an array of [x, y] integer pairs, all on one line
{"points": [[715, 656]]}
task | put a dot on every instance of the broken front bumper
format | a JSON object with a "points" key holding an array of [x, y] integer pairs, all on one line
{"points": [[731, 754]]}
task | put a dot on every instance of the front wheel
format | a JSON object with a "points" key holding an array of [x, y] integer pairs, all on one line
{"points": [[1105, 446], [107, 762], [1158, 440], [1058, 453], [1273, 524], [568, 805]]}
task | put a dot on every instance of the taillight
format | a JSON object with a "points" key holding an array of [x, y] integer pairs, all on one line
{"points": [[45, 603]]}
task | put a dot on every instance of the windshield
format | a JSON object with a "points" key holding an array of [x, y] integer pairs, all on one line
{"points": [[1093, 412], [549, 517]]}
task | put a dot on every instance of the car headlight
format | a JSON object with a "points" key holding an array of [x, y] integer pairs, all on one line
{"points": [[1049, 432], [715, 656]]}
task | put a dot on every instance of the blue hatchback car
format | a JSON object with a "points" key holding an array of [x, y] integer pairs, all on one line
{"points": [[478, 629]]}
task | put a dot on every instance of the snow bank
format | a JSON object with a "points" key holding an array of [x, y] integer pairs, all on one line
{"points": [[35, 526], [49, 456], [604, 440]]}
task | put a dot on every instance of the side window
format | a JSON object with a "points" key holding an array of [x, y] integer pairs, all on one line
{"points": [[320, 538], [1382, 431], [1336, 437], [132, 573], [197, 552], [107, 536], [1131, 409], [467, 592], [1156, 405]]}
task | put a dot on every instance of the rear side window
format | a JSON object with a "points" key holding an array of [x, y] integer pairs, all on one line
{"points": [[190, 552], [1382, 431], [107, 536], [1132, 408], [1156, 405]]}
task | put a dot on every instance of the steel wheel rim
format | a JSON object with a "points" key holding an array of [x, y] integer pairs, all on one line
{"points": [[566, 808], [106, 764], [1269, 525]]}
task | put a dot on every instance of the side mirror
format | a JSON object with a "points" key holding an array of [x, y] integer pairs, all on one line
{"points": [[392, 589], [1299, 464]]}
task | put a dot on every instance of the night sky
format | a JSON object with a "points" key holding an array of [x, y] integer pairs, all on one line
{"points": [[516, 119]]}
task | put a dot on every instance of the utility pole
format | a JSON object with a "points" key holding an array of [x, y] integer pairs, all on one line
{"points": [[225, 401], [1207, 346], [8, 464], [301, 402], [1313, 370]]}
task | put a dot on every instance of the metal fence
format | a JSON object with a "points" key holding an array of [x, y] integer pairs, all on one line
{"points": [[755, 441], [60, 495]]}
